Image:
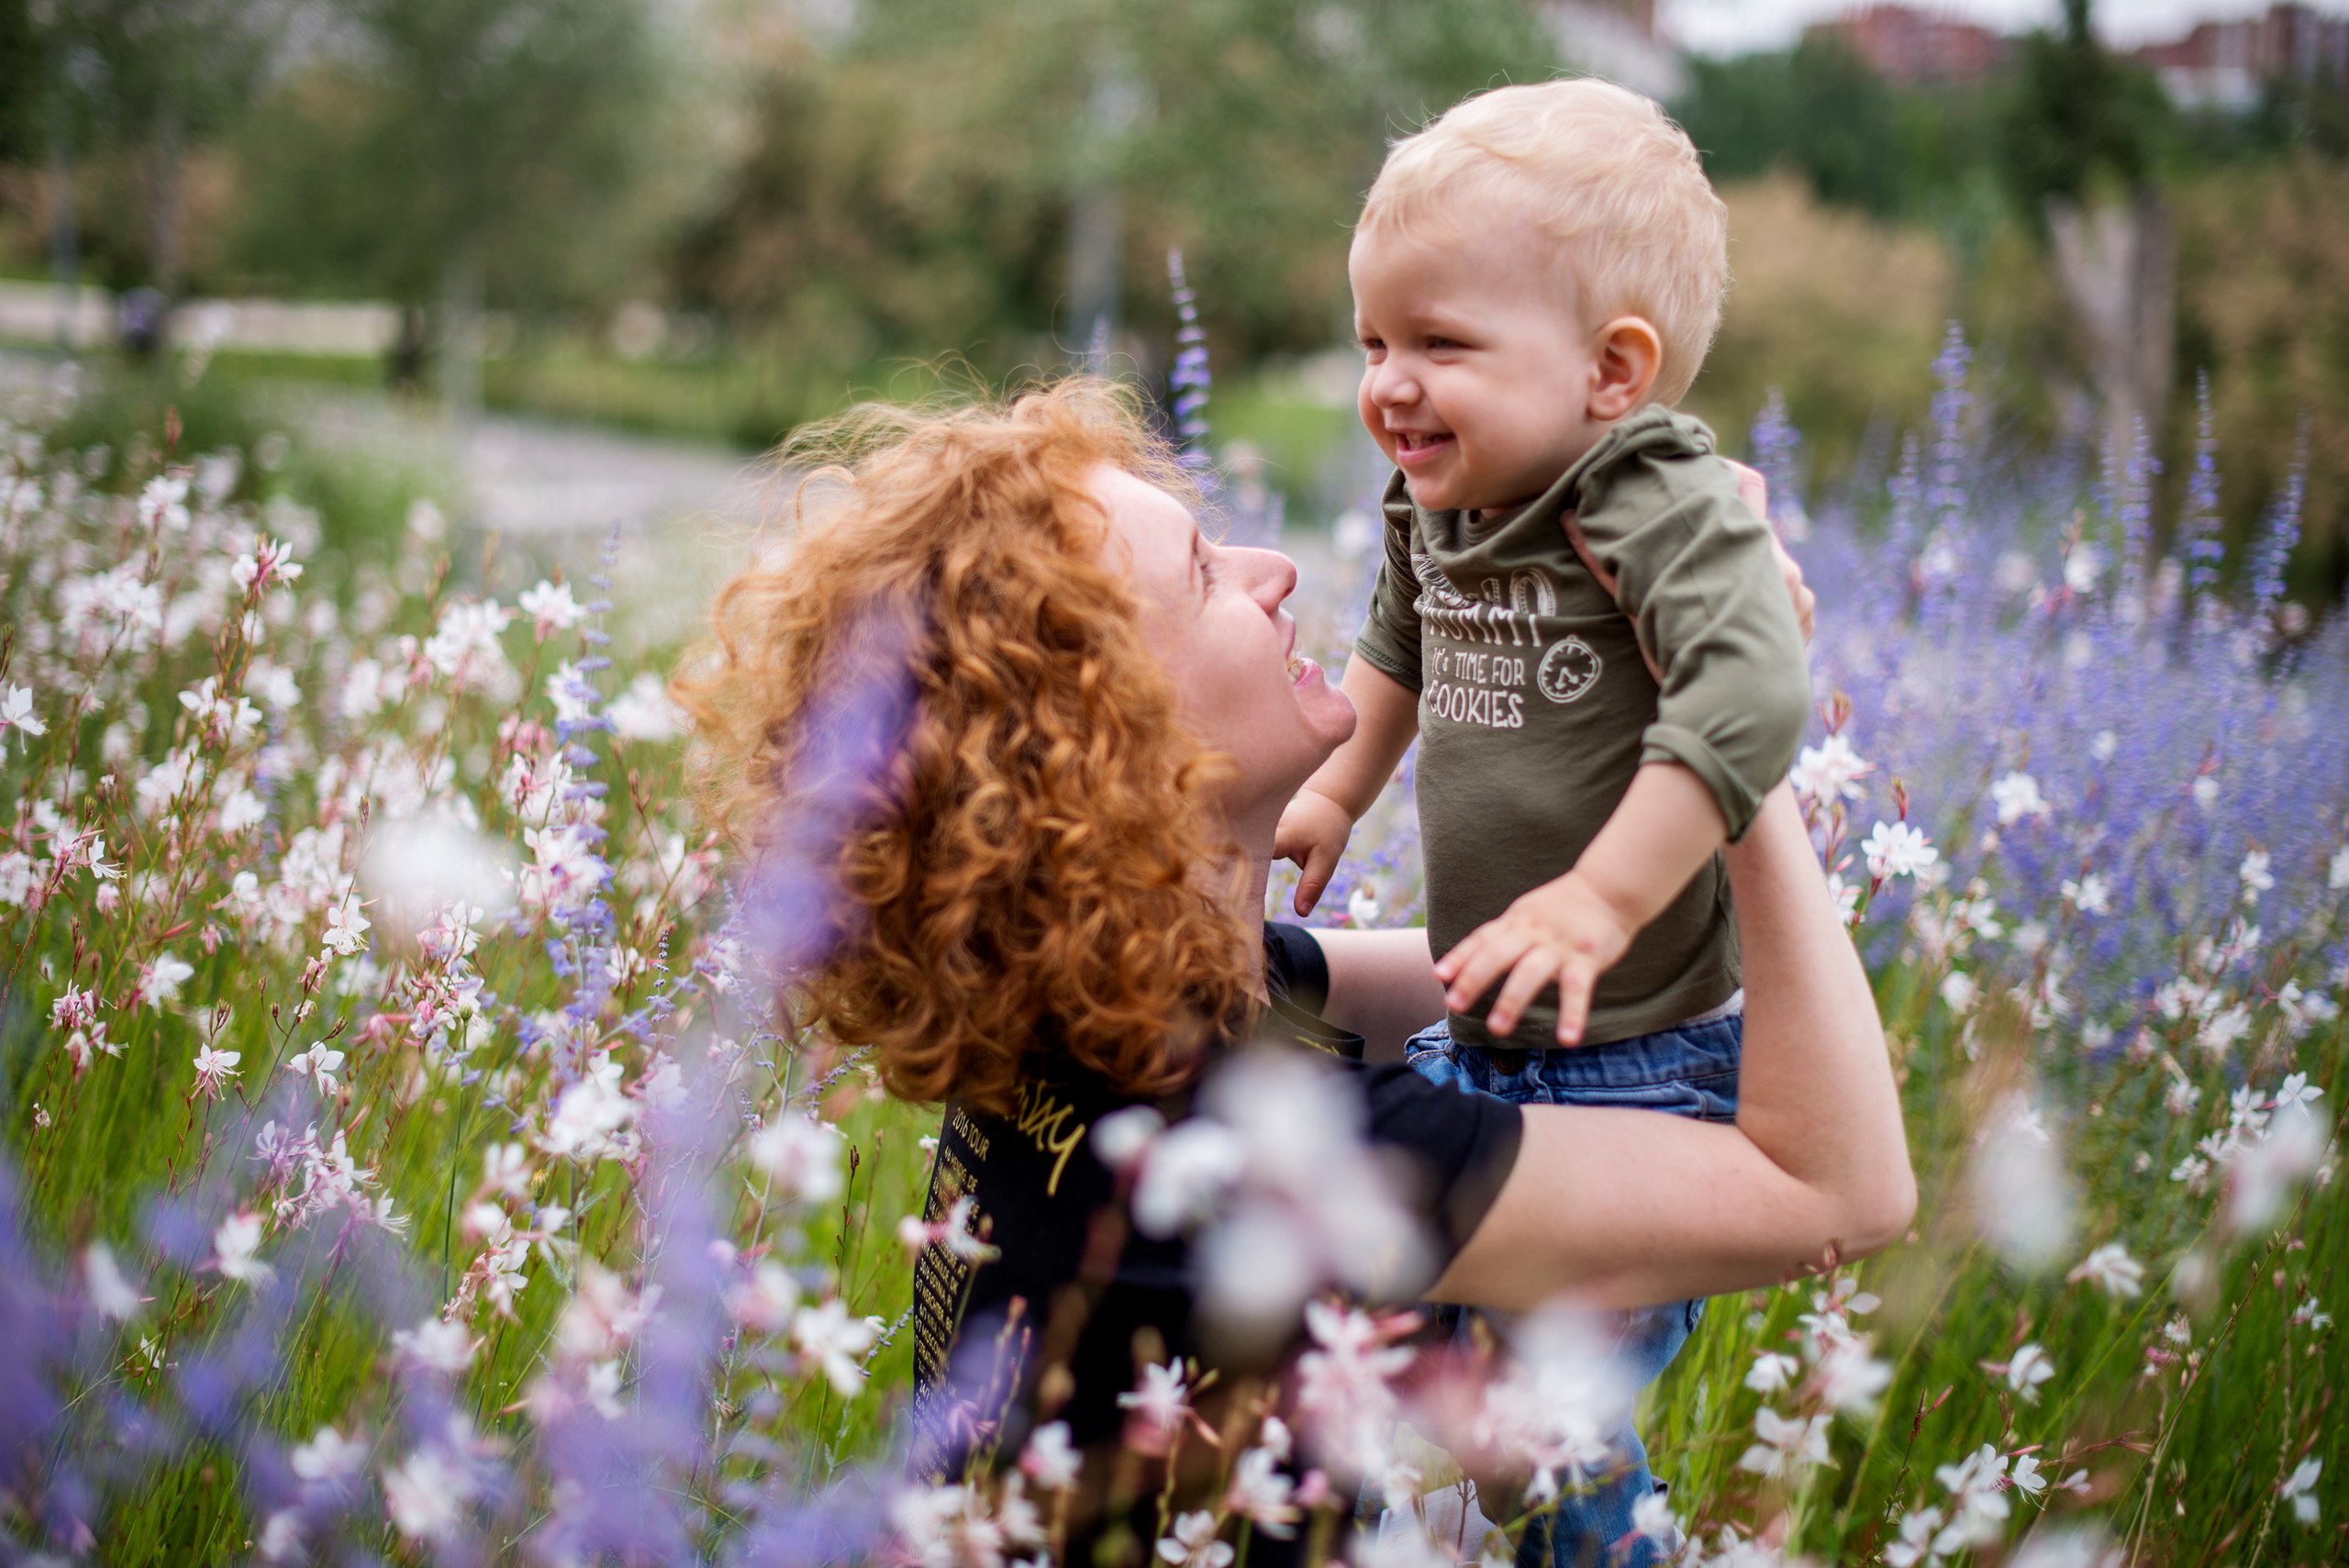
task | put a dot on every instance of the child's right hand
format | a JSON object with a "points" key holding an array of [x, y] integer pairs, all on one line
{"points": [[1313, 832]]}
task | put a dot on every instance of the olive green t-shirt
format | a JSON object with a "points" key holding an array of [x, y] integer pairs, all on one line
{"points": [[1536, 706]]}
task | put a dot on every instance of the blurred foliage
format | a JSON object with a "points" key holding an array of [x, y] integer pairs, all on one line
{"points": [[1841, 311], [520, 138], [909, 186], [2263, 265], [2079, 119]]}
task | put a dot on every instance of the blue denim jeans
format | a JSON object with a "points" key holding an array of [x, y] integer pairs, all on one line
{"points": [[1688, 1070]]}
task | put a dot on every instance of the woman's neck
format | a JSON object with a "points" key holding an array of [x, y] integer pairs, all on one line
{"points": [[1253, 853]]}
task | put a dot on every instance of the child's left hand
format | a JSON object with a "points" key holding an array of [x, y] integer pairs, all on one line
{"points": [[1563, 931]]}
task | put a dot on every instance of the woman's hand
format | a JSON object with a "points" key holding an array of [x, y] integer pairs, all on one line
{"points": [[1754, 491]]}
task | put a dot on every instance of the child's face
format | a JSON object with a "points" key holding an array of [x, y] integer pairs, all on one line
{"points": [[1478, 373]]}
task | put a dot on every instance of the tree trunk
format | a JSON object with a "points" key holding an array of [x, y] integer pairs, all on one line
{"points": [[64, 222], [167, 199], [2117, 263], [457, 355]]}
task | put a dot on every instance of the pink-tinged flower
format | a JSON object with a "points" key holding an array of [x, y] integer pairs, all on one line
{"points": [[74, 1008], [267, 565], [1194, 1543], [1123, 1137], [550, 608], [1895, 850], [222, 718], [1915, 1545], [111, 1295], [233, 1245], [2254, 875], [164, 503], [1161, 1402], [214, 1068], [17, 713], [643, 711], [827, 1336], [1049, 1460], [426, 1495], [2111, 1267], [954, 1232], [1264, 1496]]}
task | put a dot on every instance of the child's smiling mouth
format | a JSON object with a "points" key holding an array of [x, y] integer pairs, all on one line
{"points": [[1414, 447]]}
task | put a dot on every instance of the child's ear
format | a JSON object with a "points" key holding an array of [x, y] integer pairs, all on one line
{"points": [[1629, 354]]}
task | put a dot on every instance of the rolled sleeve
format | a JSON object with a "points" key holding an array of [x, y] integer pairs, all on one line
{"points": [[1694, 571]]}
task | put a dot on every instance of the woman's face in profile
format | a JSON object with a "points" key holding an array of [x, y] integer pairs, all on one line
{"points": [[1214, 614]]}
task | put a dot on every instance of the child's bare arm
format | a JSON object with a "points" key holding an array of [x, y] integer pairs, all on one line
{"points": [[1314, 829], [1570, 930]]}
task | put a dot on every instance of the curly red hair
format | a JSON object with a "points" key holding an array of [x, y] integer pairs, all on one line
{"points": [[1041, 852]]}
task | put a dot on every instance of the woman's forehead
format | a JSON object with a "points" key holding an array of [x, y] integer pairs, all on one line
{"points": [[1155, 531]]}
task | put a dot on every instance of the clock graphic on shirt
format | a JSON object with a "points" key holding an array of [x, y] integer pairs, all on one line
{"points": [[1568, 670]]}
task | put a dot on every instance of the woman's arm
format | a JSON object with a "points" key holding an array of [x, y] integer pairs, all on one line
{"points": [[1381, 986], [1628, 1208]]}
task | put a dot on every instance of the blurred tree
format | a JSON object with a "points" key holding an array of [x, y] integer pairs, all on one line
{"points": [[453, 153], [2084, 135], [21, 71], [915, 185]]}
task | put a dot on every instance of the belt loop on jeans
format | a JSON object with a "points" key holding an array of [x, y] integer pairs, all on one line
{"points": [[1509, 1059]]}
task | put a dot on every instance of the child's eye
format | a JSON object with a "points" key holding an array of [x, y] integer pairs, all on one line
{"points": [[1444, 343], [1374, 346]]}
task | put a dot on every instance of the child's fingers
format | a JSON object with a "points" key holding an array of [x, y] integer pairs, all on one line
{"points": [[1320, 865], [1534, 971], [1490, 953], [1575, 980]]}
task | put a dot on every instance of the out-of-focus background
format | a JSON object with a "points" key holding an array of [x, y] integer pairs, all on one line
{"points": [[567, 261]]}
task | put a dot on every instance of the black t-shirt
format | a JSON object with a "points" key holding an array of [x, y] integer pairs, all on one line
{"points": [[1075, 1285]]}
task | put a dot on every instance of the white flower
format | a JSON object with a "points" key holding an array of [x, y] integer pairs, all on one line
{"points": [[1653, 1518], [1895, 849], [1959, 992], [2337, 874], [2206, 792], [1362, 908], [2111, 1267], [2296, 1091], [2015, 797], [1914, 1546], [328, 1456], [2255, 877], [434, 1345], [1786, 1445], [346, 927], [1849, 1377], [233, 1245], [214, 1069], [802, 1154], [1049, 1460], [2090, 896], [2029, 1368], [1123, 1136], [2299, 1490], [827, 1335], [160, 978], [110, 1294], [550, 608], [1829, 770], [426, 1495], [17, 713], [1194, 1545], [2024, 1476], [164, 503], [318, 1063], [1187, 1173], [643, 712], [1771, 1371]]}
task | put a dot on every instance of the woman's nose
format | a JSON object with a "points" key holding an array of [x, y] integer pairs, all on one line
{"points": [[1273, 577]]}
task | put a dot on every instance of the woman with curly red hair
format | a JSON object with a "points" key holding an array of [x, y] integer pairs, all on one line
{"points": [[1047, 908]]}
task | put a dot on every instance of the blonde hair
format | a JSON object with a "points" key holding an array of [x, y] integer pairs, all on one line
{"points": [[1604, 173], [1024, 876]]}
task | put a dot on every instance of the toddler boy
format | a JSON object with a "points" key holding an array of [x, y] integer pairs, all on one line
{"points": [[1577, 615]]}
